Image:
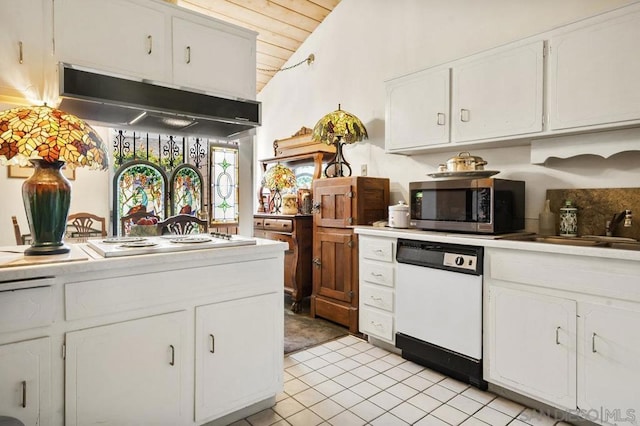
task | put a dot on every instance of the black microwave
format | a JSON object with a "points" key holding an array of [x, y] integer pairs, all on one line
{"points": [[484, 206]]}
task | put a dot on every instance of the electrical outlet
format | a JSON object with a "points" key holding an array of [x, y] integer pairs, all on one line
{"points": [[363, 170]]}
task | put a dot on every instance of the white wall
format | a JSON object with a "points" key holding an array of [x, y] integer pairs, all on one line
{"points": [[362, 43]]}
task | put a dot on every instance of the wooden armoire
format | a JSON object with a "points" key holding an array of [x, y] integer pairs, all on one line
{"points": [[340, 203]]}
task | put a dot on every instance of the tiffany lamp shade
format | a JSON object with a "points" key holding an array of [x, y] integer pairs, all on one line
{"points": [[339, 127], [277, 178], [49, 139]]}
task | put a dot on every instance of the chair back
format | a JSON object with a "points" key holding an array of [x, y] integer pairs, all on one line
{"points": [[126, 222], [20, 240], [83, 225], [182, 224]]}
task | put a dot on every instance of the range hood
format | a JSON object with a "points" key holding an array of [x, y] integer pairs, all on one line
{"points": [[122, 103]]}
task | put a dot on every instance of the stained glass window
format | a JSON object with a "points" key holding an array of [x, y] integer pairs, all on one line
{"points": [[187, 191], [304, 176], [140, 187], [224, 183]]}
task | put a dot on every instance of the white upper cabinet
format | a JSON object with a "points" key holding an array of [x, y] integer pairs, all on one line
{"points": [[417, 110], [499, 94], [24, 39], [593, 74], [156, 41], [119, 36], [207, 57]]}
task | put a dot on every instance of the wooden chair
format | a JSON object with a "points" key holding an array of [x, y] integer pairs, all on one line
{"points": [[81, 226], [182, 224], [20, 237], [126, 222]]}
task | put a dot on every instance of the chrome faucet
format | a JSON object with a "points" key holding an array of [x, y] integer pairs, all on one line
{"points": [[611, 225]]}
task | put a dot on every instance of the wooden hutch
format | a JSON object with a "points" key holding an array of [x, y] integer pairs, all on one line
{"points": [[297, 152]]}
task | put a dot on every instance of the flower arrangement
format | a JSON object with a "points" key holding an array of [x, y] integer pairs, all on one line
{"points": [[279, 177]]}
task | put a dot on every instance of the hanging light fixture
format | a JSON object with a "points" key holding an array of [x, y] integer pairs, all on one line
{"points": [[49, 139], [338, 128]]}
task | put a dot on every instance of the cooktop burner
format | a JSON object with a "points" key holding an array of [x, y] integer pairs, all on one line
{"points": [[127, 246]]}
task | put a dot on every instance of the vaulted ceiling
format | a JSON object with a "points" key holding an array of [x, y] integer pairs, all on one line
{"points": [[282, 25]]}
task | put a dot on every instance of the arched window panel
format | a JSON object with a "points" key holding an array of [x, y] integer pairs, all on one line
{"points": [[223, 160], [304, 176], [139, 186], [186, 191]]}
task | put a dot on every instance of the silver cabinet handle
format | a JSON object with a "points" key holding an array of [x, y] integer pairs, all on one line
{"points": [[441, 119], [173, 355], [376, 299], [464, 115], [24, 394], [188, 54], [379, 252], [557, 335], [213, 344], [375, 274], [150, 40], [20, 56], [593, 343], [376, 324]]}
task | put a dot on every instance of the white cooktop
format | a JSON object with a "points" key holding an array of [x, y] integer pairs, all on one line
{"points": [[129, 246]]}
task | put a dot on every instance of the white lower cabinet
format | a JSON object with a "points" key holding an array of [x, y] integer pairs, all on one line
{"points": [[25, 381], [234, 354], [532, 344], [126, 372], [376, 266], [609, 363], [565, 330]]}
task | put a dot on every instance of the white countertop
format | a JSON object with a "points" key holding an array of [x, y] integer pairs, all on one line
{"points": [[83, 259], [498, 242]]}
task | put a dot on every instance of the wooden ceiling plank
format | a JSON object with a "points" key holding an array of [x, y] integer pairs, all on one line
{"points": [[275, 11], [327, 4], [246, 18], [267, 61], [273, 50], [305, 7]]}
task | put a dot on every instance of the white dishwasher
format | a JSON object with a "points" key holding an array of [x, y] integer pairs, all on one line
{"points": [[439, 307]]}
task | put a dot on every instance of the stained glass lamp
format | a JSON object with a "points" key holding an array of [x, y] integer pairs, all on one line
{"points": [[279, 178], [49, 139], [338, 128]]}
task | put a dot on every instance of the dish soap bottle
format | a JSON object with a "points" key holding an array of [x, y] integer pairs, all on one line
{"points": [[546, 221], [568, 220]]}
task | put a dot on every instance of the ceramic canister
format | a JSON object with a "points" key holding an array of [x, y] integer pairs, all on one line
{"points": [[399, 215]]}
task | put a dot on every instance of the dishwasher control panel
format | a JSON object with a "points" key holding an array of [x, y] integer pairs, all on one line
{"points": [[462, 261]]}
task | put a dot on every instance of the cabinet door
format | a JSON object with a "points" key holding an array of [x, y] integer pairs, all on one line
{"points": [[22, 48], [609, 362], [213, 59], [334, 251], [120, 36], [498, 94], [238, 354], [25, 376], [532, 342], [593, 74], [417, 110], [335, 203], [128, 373]]}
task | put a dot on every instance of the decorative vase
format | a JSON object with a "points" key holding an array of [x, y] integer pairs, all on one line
{"points": [[568, 220], [46, 196], [289, 204]]}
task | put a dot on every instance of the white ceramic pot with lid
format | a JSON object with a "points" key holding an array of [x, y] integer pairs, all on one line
{"points": [[399, 215]]}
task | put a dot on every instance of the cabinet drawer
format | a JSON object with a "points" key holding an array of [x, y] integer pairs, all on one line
{"points": [[376, 272], [258, 223], [377, 296], [24, 308], [277, 236], [282, 225], [376, 249], [378, 324]]}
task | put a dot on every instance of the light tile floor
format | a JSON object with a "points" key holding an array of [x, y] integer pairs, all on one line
{"points": [[349, 382]]}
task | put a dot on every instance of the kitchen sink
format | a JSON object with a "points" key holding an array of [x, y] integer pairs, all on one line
{"points": [[585, 241]]}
